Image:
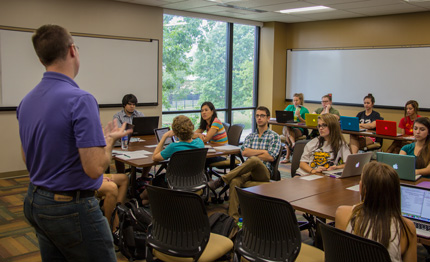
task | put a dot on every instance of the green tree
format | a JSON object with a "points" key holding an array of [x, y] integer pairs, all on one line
{"points": [[179, 36]]}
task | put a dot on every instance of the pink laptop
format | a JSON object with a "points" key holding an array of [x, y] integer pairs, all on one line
{"points": [[386, 128]]}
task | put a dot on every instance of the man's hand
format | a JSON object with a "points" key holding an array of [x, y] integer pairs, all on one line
{"points": [[112, 132]]}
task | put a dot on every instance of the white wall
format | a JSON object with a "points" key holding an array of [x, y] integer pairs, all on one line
{"points": [[81, 16]]}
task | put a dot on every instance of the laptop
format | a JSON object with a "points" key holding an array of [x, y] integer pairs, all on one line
{"points": [[311, 119], [350, 124], [386, 128], [159, 132], [145, 125], [403, 164], [415, 202], [353, 167], [284, 116]]}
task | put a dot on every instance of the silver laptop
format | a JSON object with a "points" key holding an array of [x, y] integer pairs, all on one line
{"points": [[353, 167], [415, 203], [403, 164], [159, 132]]}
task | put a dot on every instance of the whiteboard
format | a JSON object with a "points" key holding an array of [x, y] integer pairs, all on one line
{"points": [[392, 75], [109, 68]]}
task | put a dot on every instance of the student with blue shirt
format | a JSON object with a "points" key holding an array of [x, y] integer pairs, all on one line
{"points": [[421, 148], [292, 133], [182, 127]]}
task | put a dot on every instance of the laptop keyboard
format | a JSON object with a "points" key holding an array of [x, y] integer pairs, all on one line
{"points": [[422, 229]]}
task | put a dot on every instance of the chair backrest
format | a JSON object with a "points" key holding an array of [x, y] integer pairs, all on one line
{"points": [[297, 154], [269, 231], [226, 126], [276, 175], [186, 169], [180, 224], [234, 134], [342, 246]]}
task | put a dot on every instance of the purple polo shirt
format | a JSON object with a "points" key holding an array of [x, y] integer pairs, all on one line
{"points": [[55, 119]]}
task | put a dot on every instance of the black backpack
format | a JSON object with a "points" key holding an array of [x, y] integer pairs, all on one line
{"points": [[133, 226], [223, 224]]}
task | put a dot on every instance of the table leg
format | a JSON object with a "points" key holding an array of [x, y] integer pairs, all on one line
{"points": [[133, 189]]}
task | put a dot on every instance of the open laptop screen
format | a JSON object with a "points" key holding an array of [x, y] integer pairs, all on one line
{"points": [[159, 132], [415, 202]]}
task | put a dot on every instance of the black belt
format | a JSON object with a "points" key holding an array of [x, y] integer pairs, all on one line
{"points": [[73, 193]]}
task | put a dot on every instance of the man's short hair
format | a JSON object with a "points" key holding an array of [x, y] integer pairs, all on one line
{"points": [[129, 98], [51, 43], [183, 127], [263, 108]]}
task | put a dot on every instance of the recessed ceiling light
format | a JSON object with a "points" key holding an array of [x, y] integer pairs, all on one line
{"points": [[305, 9]]}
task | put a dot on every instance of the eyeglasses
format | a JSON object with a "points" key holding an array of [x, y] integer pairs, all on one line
{"points": [[131, 104], [325, 101], [262, 116], [322, 126]]}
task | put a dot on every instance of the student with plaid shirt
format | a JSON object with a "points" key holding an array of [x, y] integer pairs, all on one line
{"points": [[261, 148]]}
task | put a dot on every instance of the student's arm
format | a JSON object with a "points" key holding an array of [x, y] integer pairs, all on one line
{"points": [[199, 134], [209, 135], [402, 152], [343, 215], [156, 156], [95, 160], [409, 253], [423, 171], [371, 125]]}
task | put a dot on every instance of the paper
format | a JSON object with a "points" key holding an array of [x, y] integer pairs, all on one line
{"points": [[425, 184], [210, 149], [311, 177], [151, 146], [409, 137], [226, 148], [130, 155], [354, 188], [136, 139]]}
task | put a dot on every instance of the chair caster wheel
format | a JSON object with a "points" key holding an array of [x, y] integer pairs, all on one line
{"points": [[226, 198], [214, 200], [220, 201]]}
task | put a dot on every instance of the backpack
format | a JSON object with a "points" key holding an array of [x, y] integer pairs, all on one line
{"points": [[133, 226], [223, 224]]}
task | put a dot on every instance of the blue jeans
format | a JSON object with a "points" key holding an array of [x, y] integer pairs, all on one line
{"points": [[68, 228]]}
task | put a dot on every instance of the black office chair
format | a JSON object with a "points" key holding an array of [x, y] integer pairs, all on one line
{"points": [[226, 126], [342, 246], [186, 171], [270, 231], [297, 154], [276, 175], [180, 228]]}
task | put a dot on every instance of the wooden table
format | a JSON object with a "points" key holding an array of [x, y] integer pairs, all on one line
{"points": [[320, 197], [148, 162]]}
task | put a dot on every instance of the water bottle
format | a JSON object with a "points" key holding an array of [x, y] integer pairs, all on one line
{"points": [[124, 142], [239, 224]]}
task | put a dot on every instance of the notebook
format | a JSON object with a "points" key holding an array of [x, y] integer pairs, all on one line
{"points": [[311, 119], [145, 125], [284, 116], [353, 167], [415, 203], [403, 164], [387, 128], [350, 124], [159, 132]]}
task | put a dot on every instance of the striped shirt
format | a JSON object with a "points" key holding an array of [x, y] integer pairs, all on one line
{"points": [[220, 136], [122, 117], [268, 141]]}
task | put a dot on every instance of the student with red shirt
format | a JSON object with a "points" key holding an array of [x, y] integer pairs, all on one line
{"points": [[406, 124]]}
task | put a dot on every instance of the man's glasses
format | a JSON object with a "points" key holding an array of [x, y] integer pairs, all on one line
{"points": [[258, 116], [325, 101], [131, 104], [322, 126]]}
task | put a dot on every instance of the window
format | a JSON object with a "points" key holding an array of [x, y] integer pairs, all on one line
{"points": [[206, 60]]}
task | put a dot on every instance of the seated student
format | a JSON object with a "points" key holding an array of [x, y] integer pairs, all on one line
{"points": [[182, 128], [406, 124], [261, 148], [378, 216], [421, 148], [367, 120], [292, 133], [114, 189], [215, 131], [328, 151], [126, 115], [327, 108]]}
